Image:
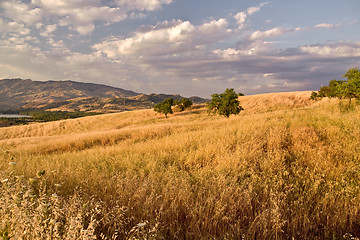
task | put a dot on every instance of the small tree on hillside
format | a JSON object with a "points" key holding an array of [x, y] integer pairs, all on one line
{"points": [[349, 88], [333, 90], [352, 88], [164, 107], [225, 103], [183, 103]]}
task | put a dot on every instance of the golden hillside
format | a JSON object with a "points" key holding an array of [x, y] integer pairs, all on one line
{"points": [[284, 168], [108, 122], [275, 101]]}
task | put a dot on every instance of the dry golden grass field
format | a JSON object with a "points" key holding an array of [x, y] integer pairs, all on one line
{"points": [[284, 168]]}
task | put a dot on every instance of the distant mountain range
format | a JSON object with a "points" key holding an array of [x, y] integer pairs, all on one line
{"points": [[18, 94]]}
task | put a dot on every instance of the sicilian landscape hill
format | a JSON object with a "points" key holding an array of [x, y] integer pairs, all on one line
{"points": [[19, 94], [285, 168]]}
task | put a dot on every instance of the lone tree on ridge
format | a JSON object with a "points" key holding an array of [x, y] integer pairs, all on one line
{"points": [[183, 103], [225, 103], [165, 106]]}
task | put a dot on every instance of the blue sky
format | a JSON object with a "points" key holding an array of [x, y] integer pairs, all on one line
{"points": [[181, 46]]}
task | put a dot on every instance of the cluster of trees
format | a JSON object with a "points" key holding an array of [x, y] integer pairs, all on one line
{"points": [[183, 104], [223, 104], [343, 89], [165, 106]]}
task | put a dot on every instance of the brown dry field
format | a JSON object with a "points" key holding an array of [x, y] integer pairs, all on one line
{"points": [[284, 168]]}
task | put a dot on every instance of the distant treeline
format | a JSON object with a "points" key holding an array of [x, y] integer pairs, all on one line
{"points": [[6, 122], [40, 116], [46, 116]]}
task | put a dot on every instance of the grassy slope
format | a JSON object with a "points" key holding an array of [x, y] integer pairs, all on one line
{"points": [[289, 172]]}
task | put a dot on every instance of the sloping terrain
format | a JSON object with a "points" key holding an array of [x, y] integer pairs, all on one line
{"points": [[287, 173], [68, 95], [275, 101], [18, 93]]}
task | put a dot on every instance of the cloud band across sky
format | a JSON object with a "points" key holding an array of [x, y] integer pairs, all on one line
{"points": [[136, 45]]}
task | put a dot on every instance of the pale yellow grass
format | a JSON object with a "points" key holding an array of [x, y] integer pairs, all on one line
{"points": [[288, 173], [275, 101]]}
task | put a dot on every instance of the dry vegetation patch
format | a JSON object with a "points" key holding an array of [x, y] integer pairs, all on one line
{"points": [[275, 101]]}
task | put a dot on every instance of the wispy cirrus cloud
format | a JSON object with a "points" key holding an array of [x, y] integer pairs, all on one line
{"points": [[327, 25]]}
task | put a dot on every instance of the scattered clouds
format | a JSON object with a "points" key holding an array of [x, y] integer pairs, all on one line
{"points": [[81, 14], [48, 30], [13, 27], [174, 56]]}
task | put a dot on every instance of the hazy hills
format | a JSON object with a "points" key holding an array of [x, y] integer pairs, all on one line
{"points": [[16, 94]]}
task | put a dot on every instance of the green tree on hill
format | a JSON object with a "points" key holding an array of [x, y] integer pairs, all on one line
{"points": [[349, 89], [165, 106], [183, 103], [352, 88], [225, 103]]}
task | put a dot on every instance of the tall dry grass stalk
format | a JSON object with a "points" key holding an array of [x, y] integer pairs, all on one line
{"points": [[281, 174]]}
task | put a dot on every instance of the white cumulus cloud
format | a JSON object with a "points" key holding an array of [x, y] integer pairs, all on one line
{"points": [[21, 12], [81, 13], [165, 38], [342, 49], [257, 35], [149, 5], [241, 17], [253, 10]]}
